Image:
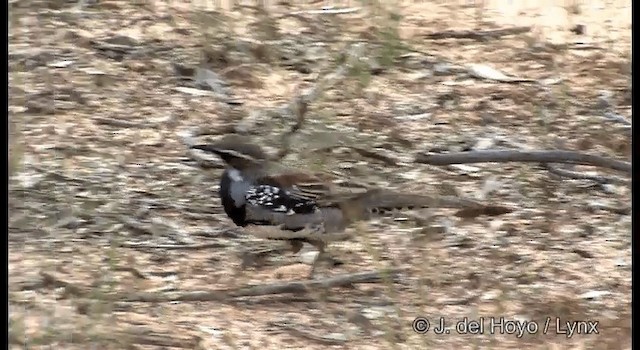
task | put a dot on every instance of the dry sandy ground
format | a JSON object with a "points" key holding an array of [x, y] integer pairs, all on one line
{"points": [[105, 200]]}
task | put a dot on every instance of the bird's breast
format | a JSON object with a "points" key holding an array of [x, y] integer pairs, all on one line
{"points": [[234, 187]]}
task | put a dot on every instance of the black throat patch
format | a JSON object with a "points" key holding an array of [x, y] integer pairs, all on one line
{"points": [[237, 214]]}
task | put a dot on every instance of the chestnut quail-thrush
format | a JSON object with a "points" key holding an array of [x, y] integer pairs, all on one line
{"points": [[288, 204]]}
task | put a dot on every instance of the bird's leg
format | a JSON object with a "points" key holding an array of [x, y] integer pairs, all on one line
{"points": [[320, 245], [296, 245]]}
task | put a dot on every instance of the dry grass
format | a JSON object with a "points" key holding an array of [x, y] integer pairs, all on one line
{"points": [[95, 124]]}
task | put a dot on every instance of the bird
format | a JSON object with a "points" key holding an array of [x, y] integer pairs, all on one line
{"points": [[298, 206]]}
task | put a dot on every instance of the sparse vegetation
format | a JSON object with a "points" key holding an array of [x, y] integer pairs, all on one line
{"points": [[105, 205]]}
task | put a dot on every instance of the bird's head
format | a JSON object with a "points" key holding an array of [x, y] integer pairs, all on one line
{"points": [[235, 151]]}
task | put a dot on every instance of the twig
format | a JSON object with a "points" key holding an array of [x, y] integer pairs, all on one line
{"points": [[617, 118], [58, 176], [478, 34], [388, 160], [307, 335], [299, 105], [118, 122], [256, 258], [582, 176], [146, 337], [327, 11], [137, 225], [305, 286], [149, 337], [51, 280], [293, 287], [621, 210], [173, 246], [135, 272], [578, 46], [569, 157]]}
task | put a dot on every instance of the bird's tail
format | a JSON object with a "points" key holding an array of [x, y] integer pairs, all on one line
{"points": [[380, 201]]}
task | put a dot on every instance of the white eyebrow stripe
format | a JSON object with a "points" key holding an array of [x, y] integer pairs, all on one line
{"points": [[235, 175]]}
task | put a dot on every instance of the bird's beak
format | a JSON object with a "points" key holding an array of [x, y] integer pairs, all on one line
{"points": [[228, 155], [206, 148]]}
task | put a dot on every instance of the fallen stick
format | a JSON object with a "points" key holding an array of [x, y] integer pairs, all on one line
{"points": [[582, 176], [292, 287], [569, 157], [478, 34]]}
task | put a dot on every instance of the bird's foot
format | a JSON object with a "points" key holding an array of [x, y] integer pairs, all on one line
{"points": [[324, 260]]}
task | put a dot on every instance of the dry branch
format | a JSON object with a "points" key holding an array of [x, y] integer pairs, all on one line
{"points": [[306, 334], [120, 123], [137, 226], [135, 336], [293, 287], [327, 11], [148, 337], [620, 210], [569, 157], [478, 34], [299, 105], [173, 246], [391, 161], [582, 176]]}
